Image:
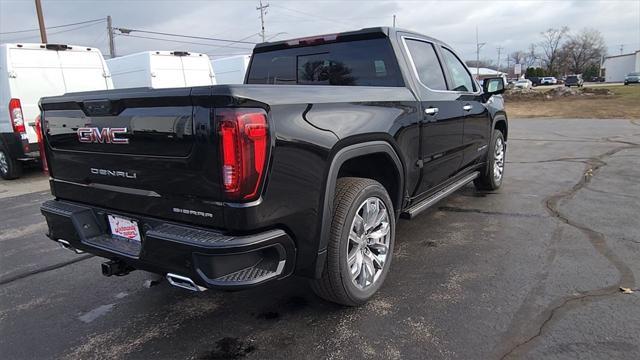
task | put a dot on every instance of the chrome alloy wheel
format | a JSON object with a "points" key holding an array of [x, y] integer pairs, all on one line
{"points": [[4, 163], [498, 160], [368, 245]]}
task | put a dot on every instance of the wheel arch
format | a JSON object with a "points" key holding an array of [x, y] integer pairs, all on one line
{"points": [[500, 123], [365, 150]]}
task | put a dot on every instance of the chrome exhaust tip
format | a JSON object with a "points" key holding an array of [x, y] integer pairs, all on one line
{"points": [[184, 282], [65, 245]]}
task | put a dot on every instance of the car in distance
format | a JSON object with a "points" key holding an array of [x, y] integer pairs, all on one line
{"points": [[304, 169], [633, 77], [523, 84], [548, 81], [574, 80]]}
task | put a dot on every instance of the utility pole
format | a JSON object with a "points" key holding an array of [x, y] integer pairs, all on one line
{"points": [[499, 48], [394, 20], [479, 45], [112, 45], [43, 30], [263, 12]]}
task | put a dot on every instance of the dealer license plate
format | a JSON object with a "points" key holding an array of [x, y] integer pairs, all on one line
{"points": [[124, 228]]}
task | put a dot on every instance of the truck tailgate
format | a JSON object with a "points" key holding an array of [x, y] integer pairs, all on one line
{"points": [[136, 150]]}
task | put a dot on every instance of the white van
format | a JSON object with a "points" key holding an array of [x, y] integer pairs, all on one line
{"points": [[161, 69], [231, 70], [29, 72]]}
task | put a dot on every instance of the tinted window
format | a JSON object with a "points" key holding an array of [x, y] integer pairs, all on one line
{"points": [[462, 81], [427, 65], [355, 63]]}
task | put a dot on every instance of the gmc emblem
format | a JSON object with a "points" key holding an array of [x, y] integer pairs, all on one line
{"points": [[106, 135]]}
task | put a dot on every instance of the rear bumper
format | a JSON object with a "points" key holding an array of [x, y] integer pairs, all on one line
{"points": [[210, 258], [18, 148]]}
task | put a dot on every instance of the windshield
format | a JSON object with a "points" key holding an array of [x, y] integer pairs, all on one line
{"points": [[634, 74]]}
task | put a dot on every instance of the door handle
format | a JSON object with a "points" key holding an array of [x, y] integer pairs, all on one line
{"points": [[467, 107], [431, 111]]}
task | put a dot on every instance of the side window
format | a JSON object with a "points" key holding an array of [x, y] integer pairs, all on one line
{"points": [[427, 65], [462, 81]]}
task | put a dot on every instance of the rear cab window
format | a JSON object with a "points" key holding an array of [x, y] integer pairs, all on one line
{"points": [[426, 64], [460, 77], [369, 62]]}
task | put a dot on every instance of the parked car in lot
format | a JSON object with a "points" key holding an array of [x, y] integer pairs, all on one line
{"points": [[535, 81], [29, 72], [161, 69], [550, 80], [574, 80], [523, 84], [633, 77], [597, 79], [303, 170]]}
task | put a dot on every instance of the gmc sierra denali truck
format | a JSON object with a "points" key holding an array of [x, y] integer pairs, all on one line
{"points": [[305, 169]]}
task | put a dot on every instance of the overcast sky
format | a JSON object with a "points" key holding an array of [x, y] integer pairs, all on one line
{"points": [[512, 25]]}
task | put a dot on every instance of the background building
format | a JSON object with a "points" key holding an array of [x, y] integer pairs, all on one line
{"points": [[616, 67]]}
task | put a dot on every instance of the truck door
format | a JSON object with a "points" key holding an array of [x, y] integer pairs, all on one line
{"points": [[477, 121], [442, 125]]}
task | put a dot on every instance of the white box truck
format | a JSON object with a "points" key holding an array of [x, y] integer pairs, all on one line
{"points": [[231, 70], [29, 72], [161, 69]]}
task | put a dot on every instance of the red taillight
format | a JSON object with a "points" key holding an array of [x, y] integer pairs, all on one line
{"points": [[17, 118], [244, 136], [43, 158]]}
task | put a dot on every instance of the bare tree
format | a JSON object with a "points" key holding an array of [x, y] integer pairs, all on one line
{"points": [[584, 50], [551, 45], [531, 56], [518, 57]]}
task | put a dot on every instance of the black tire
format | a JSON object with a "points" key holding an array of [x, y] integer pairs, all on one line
{"points": [[336, 284], [10, 168], [487, 179]]}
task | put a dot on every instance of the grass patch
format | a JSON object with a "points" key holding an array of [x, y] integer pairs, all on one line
{"points": [[624, 104]]}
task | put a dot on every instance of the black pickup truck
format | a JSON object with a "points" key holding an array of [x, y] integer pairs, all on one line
{"points": [[305, 169]]}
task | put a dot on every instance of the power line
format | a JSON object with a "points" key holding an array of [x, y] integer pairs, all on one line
{"points": [[51, 27], [315, 16], [55, 32], [126, 31], [179, 41]]}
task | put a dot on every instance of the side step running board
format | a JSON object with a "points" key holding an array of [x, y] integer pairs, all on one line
{"points": [[430, 201]]}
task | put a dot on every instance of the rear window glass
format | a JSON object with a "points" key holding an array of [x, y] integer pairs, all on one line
{"points": [[355, 63]]}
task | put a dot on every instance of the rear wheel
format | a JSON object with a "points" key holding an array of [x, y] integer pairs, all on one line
{"points": [[9, 167], [361, 242], [491, 177]]}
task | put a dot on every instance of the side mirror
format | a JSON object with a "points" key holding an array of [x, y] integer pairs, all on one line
{"points": [[493, 86]]}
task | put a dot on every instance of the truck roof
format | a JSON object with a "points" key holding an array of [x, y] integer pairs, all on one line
{"points": [[366, 33]]}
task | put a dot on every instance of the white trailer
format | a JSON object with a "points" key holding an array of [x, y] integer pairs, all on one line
{"points": [[29, 72], [161, 69], [231, 70]]}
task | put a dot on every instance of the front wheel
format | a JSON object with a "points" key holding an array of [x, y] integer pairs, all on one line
{"points": [[491, 176], [361, 242], [9, 167]]}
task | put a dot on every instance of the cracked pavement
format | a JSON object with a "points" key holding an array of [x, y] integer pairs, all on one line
{"points": [[530, 271]]}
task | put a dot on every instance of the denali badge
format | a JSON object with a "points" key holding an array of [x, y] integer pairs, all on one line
{"points": [[192, 212], [106, 135], [114, 173]]}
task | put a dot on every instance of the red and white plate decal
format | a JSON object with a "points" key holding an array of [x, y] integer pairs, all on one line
{"points": [[124, 227]]}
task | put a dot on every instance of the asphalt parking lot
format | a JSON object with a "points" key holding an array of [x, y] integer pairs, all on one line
{"points": [[530, 271]]}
